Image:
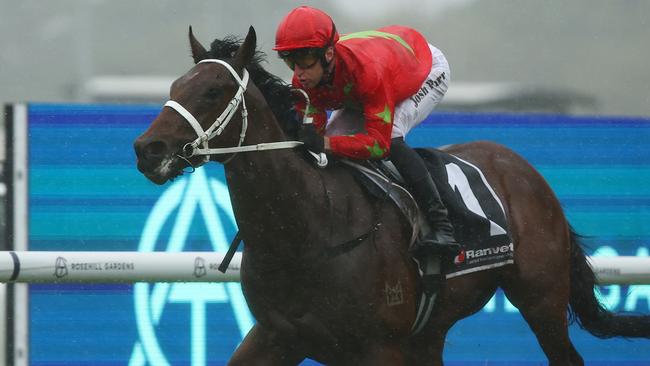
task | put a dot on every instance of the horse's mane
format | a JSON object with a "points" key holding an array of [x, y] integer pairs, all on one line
{"points": [[277, 93]]}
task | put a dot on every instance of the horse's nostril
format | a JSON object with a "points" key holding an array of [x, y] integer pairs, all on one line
{"points": [[155, 149], [150, 150]]}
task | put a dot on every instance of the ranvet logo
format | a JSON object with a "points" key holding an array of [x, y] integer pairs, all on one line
{"points": [[173, 214], [460, 258]]}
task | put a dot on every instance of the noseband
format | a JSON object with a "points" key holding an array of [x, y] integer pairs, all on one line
{"points": [[200, 145]]}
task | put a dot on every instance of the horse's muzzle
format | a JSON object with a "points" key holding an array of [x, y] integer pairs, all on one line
{"points": [[151, 156]]}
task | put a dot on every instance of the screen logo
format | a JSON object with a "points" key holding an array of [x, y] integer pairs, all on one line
{"points": [[197, 196]]}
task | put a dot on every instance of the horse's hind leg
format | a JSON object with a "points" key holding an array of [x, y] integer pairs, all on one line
{"points": [[261, 348], [545, 310]]}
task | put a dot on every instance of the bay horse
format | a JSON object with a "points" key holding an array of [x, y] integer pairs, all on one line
{"points": [[311, 300]]}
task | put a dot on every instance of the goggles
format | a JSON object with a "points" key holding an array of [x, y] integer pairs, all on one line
{"points": [[304, 58]]}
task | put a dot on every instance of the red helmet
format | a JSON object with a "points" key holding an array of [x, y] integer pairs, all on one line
{"points": [[305, 27]]}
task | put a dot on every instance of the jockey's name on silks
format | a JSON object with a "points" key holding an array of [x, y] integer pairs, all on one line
{"points": [[425, 89]]}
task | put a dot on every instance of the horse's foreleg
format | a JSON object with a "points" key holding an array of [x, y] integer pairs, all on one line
{"points": [[262, 348], [378, 353]]}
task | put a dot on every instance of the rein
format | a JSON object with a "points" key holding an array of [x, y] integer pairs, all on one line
{"points": [[200, 145]]}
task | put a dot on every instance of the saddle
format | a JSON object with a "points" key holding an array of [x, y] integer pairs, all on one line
{"points": [[475, 211], [381, 179]]}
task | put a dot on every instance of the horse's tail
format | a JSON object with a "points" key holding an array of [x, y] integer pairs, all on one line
{"points": [[589, 313]]}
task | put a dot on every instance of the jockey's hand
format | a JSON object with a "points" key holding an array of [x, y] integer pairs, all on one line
{"points": [[313, 141]]}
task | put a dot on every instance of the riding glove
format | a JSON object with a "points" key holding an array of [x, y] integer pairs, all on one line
{"points": [[313, 141]]}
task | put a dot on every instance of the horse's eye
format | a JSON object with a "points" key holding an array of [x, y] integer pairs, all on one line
{"points": [[213, 93]]}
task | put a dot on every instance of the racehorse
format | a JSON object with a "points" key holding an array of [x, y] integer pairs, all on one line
{"points": [[314, 297]]}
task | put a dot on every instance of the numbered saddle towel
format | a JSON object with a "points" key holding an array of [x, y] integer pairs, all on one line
{"points": [[475, 211]]}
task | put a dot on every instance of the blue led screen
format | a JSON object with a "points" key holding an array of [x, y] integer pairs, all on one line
{"points": [[86, 194]]}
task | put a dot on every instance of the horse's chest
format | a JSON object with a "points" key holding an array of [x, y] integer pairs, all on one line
{"points": [[274, 289]]}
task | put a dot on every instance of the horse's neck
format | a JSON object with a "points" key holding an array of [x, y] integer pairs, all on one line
{"points": [[265, 185]]}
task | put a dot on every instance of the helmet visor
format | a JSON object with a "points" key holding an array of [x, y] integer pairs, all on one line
{"points": [[304, 58]]}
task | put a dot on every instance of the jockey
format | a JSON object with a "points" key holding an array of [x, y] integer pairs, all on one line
{"points": [[391, 78]]}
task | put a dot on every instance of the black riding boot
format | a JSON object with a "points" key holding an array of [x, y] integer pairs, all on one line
{"points": [[441, 238], [410, 165]]}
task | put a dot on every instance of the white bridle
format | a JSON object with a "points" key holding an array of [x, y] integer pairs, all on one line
{"points": [[200, 145]]}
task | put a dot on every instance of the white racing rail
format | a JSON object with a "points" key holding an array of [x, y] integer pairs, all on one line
{"points": [[621, 270], [126, 267], [130, 267]]}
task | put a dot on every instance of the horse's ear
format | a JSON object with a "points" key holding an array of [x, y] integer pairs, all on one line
{"points": [[198, 51], [246, 51]]}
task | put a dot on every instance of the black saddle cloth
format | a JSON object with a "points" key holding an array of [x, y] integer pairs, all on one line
{"points": [[475, 211]]}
